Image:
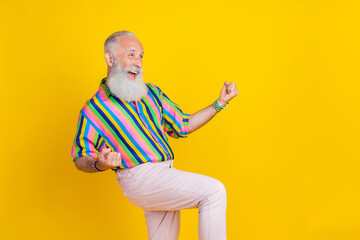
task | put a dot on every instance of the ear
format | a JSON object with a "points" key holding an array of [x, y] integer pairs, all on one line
{"points": [[109, 59]]}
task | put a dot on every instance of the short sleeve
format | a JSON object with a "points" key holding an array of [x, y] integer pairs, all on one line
{"points": [[87, 141], [176, 123]]}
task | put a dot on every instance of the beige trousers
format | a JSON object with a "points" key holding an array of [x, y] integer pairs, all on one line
{"points": [[163, 191]]}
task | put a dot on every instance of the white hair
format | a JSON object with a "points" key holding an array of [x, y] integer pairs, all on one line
{"points": [[123, 87], [111, 41]]}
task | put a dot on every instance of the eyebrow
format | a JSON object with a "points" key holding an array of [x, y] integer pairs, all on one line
{"points": [[133, 50]]}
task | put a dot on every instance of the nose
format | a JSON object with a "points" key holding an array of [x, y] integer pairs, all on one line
{"points": [[138, 62]]}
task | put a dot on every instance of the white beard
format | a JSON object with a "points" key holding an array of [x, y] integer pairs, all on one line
{"points": [[124, 88]]}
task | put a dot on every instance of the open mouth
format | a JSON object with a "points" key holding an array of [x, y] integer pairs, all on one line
{"points": [[132, 75]]}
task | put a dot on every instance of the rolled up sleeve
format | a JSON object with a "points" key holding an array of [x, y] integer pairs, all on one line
{"points": [[175, 121]]}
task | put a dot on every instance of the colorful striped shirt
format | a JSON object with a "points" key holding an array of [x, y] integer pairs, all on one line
{"points": [[136, 130]]}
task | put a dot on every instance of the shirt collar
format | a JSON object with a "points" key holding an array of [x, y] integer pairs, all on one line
{"points": [[104, 90], [105, 87]]}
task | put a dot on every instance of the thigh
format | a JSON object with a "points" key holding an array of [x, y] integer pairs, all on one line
{"points": [[157, 187]]}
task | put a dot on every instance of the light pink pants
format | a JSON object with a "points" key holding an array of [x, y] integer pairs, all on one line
{"points": [[163, 191]]}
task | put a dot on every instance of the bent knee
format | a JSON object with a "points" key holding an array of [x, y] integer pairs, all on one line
{"points": [[218, 188]]}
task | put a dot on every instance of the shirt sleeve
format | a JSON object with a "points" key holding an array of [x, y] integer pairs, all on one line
{"points": [[175, 122], [88, 141]]}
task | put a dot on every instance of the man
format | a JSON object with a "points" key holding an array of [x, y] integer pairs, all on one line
{"points": [[122, 127]]}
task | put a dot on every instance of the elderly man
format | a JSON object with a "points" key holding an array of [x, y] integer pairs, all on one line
{"points": [[123, 127]]}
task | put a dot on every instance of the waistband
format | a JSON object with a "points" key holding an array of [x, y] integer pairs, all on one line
{"points": [[168, 163]]}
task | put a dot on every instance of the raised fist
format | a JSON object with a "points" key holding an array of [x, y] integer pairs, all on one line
{"points": [[228, 92]]}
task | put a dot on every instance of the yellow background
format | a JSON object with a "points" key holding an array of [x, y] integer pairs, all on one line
{"points": [[287, 148]]}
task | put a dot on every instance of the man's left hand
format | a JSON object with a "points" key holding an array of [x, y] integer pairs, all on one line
{"points": [[228, 92]]}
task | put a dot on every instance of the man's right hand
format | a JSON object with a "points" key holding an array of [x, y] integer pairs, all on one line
{"points": [[108, 159]]}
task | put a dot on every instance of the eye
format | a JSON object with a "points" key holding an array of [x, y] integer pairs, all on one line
{"points": [[141, 56], [131, 55]]}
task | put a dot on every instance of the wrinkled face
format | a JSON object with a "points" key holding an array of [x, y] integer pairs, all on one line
{"points": [[129, 53]]}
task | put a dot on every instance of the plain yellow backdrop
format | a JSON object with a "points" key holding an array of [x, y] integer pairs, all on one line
{"points": [[287, 148]]}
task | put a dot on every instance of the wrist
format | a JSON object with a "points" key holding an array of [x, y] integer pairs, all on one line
{"points": [[218, 107], [222, 103], [97, 167]]}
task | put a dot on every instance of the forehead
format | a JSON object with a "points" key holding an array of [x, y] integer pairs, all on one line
{"points": [[129, 43]]}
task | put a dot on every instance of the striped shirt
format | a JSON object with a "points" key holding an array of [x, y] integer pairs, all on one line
{"points": [[136, 130]]}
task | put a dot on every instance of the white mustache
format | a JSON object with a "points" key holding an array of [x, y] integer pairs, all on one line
{"points": [[134, 69]]}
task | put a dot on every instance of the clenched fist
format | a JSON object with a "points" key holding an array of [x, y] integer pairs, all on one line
{"points": [[108, 159], [228, 92]]}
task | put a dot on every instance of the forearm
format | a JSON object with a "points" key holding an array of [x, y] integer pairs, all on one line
{"points": [[85, 164], [200, 118]]}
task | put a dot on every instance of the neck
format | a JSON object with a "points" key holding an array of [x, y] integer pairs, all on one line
{"points": [[108, 72]]}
